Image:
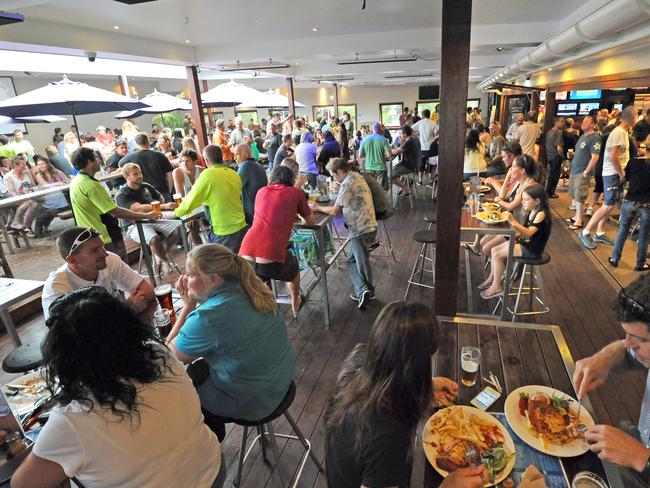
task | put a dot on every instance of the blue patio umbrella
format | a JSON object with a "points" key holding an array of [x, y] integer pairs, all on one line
{"points": [[66, 97]]}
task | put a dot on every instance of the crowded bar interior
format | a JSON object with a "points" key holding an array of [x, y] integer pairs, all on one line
{"points": [[219, 252]]}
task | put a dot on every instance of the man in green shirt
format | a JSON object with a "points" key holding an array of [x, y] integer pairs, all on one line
{"points": [[93, 206], [5, 149], [374, 149], [220, 188], [22, 145]]}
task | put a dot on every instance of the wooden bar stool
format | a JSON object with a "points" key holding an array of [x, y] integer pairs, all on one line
{"points": [[265, 431], [427, 239], [530, 285]]}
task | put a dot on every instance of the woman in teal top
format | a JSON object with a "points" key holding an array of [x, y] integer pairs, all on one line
{"points": [[230, 319]]}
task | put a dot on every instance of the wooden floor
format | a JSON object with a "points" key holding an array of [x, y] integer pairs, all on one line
{"points": [[578, 290]]}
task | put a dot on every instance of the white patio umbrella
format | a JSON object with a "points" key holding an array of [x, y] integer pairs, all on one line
{"points": [[159, 103], [271, 99], [230, 94], [66, 97], [8, 124]]}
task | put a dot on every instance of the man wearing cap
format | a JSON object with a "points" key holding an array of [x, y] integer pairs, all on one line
{"points": [[87, 263]]}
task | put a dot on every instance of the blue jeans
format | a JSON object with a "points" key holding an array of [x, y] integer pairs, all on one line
{"points": [[359, 262], [628, 212]]}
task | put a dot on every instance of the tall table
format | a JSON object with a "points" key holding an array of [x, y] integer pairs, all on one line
{"points": [[469, 227], [321, 221], [518, 354], [13, 291]]}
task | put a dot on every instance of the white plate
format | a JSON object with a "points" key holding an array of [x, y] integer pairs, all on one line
{"points": [[519, 423], [432, 453], [504, 218], [23, 403]]}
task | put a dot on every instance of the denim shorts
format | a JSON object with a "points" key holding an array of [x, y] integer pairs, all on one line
{"points": [[612, 186]]}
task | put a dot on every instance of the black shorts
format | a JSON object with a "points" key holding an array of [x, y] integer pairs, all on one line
{"points": [[424, 160], [286, 271]]}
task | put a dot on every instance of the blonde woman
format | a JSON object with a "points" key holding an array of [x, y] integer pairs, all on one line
{"points": [[231, 320], [70, 143], [129, 131]]}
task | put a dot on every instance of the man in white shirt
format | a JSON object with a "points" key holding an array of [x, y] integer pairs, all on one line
{"points": [[238, 134], [87, 263], [426, 130], [527, 134], [512, 130], [617, 154]]}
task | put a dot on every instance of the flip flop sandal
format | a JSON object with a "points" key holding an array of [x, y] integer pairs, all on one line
{"points": [[483, 286], [570, 220], [470, 249], [575, 227], [489, 297]]}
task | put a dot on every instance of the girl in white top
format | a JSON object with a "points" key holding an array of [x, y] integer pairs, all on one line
{"points": [[127, 412], [18, 182]]}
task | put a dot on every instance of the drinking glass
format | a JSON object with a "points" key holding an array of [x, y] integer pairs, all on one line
{"points": [[470, 359]]}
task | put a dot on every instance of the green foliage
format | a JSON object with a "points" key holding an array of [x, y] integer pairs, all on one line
{"points": [[171, 120]]}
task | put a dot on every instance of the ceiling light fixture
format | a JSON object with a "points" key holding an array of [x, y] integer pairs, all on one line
{"points": [[394, 59], [116, 27], [549, 69], [254, 66], [315, 29], [411, 75], [500, 48], [187, 41]]}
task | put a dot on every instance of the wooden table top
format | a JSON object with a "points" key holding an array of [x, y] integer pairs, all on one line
{"points": [[13, 290], [518, 354], [467, 221]]}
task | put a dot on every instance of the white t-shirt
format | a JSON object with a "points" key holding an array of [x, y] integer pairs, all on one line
{"points": [[426, 129], [618, 137], [167, 445], [527, 134], [116, 277]]}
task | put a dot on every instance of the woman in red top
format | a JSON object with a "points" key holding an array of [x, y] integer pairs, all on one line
{"points": [[266, 243]]}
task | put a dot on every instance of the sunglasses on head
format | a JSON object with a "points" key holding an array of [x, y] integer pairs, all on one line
{"points": [[83, 236], [636, 306]]}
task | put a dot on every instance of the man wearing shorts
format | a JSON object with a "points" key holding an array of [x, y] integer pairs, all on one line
{"points": [[617, 154], [426, 129], [139, 197], [410, 151], [584, 161]]}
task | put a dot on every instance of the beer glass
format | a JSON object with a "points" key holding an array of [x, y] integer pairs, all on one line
{"points": [[163, 320], [470, 359], [155, 206], [178, 198], [164, 296]]}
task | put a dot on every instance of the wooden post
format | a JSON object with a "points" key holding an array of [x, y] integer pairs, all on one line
{"points": [[454, 78], [209, 110], [502, 114], [336, 99], [290, 95], [549, 114], [534, 102], [197, 108]]}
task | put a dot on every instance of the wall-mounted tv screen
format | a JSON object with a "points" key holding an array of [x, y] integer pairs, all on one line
{"points": [[586, 107], [618, 106], [567, 108], [542, 96], [560, 95], [585, 94]]}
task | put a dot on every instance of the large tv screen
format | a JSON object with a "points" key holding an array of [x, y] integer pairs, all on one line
{"points": [[567, 108], [561, 95], [585, 94], [587, 107]]}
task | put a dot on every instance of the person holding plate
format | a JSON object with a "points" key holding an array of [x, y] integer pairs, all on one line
{"points": [[632, 310], [384, 388]]}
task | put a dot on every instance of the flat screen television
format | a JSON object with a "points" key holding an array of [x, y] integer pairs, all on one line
{"points": [[618, 106], [587, 107], [567, 108], [560, 95], [585, 94]]}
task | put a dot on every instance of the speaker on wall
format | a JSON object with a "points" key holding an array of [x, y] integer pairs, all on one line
{"points": [[429, 93]]}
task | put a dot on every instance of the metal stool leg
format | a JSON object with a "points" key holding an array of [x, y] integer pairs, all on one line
{"points": [[242, 454], [521, 286], [276, 453], [415, 266], [262, 441], [303, 441]]}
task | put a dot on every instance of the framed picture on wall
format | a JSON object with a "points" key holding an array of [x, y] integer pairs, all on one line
{"points": [[8, 90], [473, 102], [319, 111], [389, 114]]}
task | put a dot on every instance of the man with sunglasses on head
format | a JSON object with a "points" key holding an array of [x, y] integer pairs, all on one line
{"points": [[87, 263], [632, 310]]}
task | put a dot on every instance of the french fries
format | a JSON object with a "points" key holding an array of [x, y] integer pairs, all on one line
{"points": [[453, 427]]}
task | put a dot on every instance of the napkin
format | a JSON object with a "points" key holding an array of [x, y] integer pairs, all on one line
{"points": [[532, 478]]}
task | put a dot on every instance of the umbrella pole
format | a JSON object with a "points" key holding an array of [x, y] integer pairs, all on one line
{"points": [[74, 119], [162, 118]]}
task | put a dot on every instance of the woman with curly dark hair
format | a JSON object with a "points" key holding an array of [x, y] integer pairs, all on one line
{"points": [[475, 162], [127, 414], [384, 388]]}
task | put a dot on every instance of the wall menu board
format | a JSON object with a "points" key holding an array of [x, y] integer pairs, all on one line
{"points": [[567, 108], [587, 107], [585, 94], [561, 95]]}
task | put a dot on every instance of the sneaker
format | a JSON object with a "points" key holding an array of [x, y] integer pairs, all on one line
{"points": [[572, 206], [373, 246], [356, 298], [643, 267], [364, 299], [604, 239], [612, 262], [586, 241], [589, 211], [554, 195]]}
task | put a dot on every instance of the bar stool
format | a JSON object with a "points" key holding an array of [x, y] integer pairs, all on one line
{"points": [[24, 358], [409, 180], [265, 429], [384, 239], [427, 239], [431, 220], [531, 280]]}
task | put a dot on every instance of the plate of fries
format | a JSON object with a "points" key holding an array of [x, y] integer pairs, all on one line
{"points": [[492, 216], [462, 436], [491, 206]]}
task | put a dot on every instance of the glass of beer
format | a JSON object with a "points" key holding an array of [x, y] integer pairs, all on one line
{"points": [[163, 320], [155, 206], [470, 359], [164, 296], [178, 198]]}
